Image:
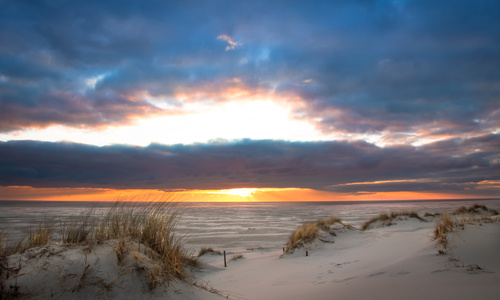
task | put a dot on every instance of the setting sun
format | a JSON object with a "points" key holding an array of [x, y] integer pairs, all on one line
{"points": [[242, 192]]}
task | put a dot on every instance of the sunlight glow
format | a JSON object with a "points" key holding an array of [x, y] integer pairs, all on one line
{"points": [[242, 192], [229, 195], [195, 123]]}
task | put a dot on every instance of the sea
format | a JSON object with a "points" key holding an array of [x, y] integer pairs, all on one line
{"points": [[234, 227]]}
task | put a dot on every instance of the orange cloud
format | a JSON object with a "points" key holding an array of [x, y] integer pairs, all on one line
{"points": [[383, 181]]}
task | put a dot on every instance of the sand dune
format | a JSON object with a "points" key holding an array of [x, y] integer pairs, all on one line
{"points": [[395, 262], [83, 272], [400, 261]]}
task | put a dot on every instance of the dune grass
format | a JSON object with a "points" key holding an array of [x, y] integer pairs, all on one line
{"points": [[386, 219], [303, 235], [4, 233], [428, 214], [469, 215], [474, 209], [236, 257], [383, 217], [40, 234], [6, 249], [307, 233], [443, 226], [3, 260], [326, 223], [208, 250], [152, 225], [80, 229]]}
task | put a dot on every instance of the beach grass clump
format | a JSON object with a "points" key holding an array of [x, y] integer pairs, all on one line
{"points": [[5, 251], [152, 225], [79, 230], [303, 235], [443, 226], [410, 214], [40, 234], [474, 209], [236, 257], [468, 215], [476, 219], [386, 219], [324, 224], [3, 242], [3, 260], [428, 214], [158, 233], [308, 232], [123, 219], [383, 217], [208, 250]]}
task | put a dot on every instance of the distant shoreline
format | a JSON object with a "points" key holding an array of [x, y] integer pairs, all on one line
{"points": [[326, 202]]}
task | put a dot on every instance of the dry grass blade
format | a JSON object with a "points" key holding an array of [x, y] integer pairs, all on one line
{"points": [[121, 249], [3, 242], [80, 230], [41, 234], [206, 286], [9, 243], [3, 260]]}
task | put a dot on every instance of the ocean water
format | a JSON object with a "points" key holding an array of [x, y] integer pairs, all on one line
{"points": [[234, 227]]}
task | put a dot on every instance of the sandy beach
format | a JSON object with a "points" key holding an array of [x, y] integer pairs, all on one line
{"points": [[343, 262], [396, 262]]}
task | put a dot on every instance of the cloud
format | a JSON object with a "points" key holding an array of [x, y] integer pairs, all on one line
{"points": [[334, 166], [405, 71], [232, 43]]}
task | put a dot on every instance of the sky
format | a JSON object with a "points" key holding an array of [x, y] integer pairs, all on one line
{"points": [[250, 100]]}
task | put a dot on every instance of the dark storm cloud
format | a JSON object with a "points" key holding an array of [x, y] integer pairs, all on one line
{"points": [[256, 163], [397, 66]]}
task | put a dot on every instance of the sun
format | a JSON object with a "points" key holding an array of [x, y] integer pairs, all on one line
{"points": [[242, 192]]}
